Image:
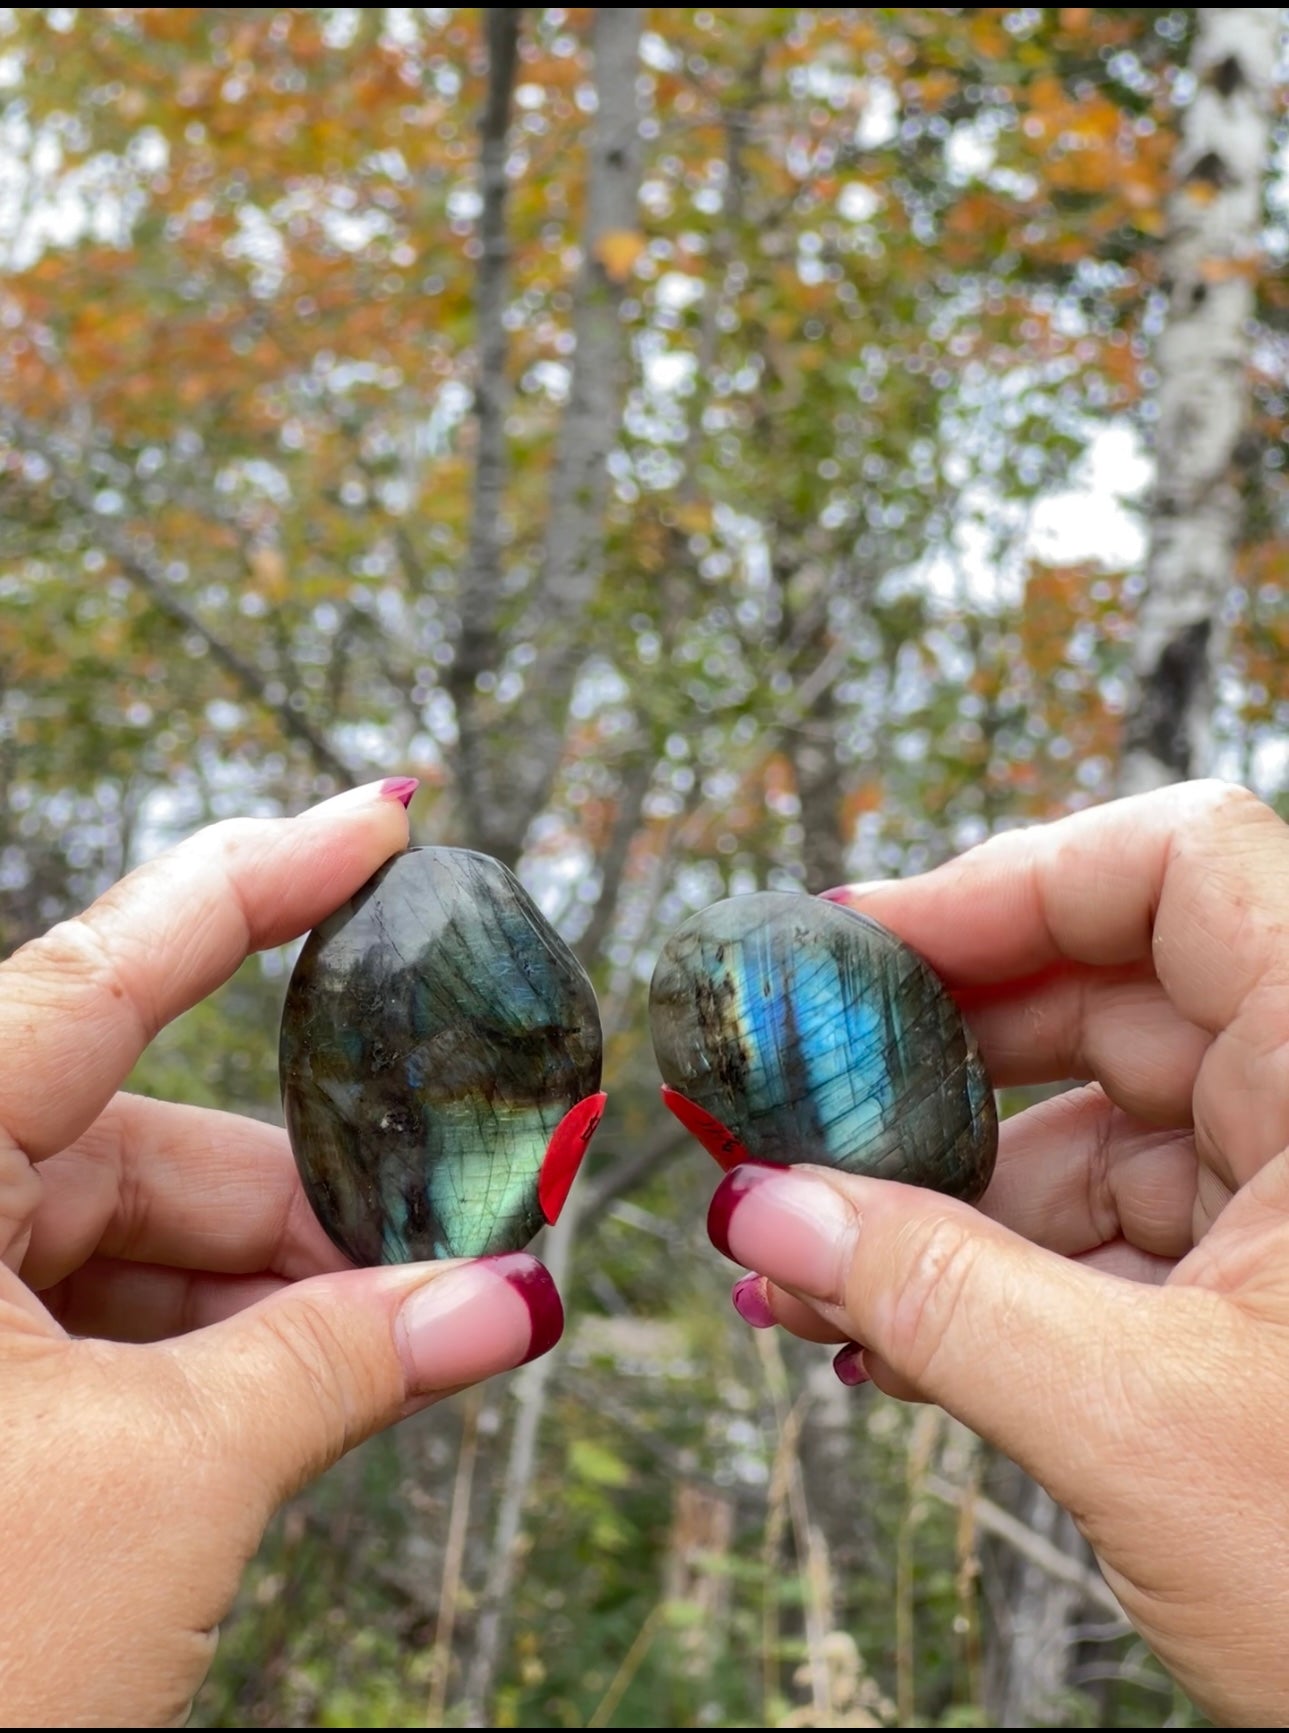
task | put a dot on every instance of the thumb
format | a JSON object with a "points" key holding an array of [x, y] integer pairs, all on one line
{"points": [[1055, 1363], [292, 1383]]}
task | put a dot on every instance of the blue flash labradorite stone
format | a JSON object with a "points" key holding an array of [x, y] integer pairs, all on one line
{"points": [[436, 1032], [814, 1034]]}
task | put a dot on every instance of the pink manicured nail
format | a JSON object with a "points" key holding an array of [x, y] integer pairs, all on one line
{"points": [[477, 1319], [727, 1197], [846, 894], [848, 1364], [787, 1223], [751, 1304], [400, 788]]}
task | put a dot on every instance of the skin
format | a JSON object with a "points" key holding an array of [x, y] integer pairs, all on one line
{"points": [[1115, 1315], [181, 1347]]}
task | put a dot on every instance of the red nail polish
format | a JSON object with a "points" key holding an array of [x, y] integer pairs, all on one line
{"points": [[750, 1303], [848, 1364], [533, 1283], [569, 1143], [726, 1200], [400, 788], [717, 1139]]}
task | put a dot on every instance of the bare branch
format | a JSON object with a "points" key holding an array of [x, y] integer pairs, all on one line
{"points": [[145, 571], [632, 1170], [636, 782], [532, 1385], [1035, 1547]]}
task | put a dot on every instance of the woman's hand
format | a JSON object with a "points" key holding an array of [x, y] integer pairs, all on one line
{"points": [[180, 1344], [1145, 945]]}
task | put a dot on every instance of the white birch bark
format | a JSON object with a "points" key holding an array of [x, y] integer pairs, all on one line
{"points": [[1210, 261]]}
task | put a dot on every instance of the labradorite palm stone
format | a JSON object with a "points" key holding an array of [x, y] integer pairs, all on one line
{"points": [[814, 1034], [436, 1031]]}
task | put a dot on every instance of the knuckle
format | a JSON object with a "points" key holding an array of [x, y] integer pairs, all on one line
{"points": [[74, 956], [1102, 1209], [309, 1341], [19, 1194], [1209, 801], [314, 1367], [231, 837], [65, 948], [936, 1257], [231, 847], [237, 844]]}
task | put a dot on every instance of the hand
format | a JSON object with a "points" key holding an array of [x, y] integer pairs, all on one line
{"points": [[137, 1473], [1146, 945]]}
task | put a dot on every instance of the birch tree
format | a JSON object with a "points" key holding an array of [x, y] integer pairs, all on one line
{"points": [[1211, 257]]}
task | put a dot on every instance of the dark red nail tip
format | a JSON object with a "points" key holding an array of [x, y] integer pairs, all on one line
{"points": [[848, 1364], [748, 1295], [400, 788], [728, 1194], [717, 1139], [568, 1144], [533, 1282]]}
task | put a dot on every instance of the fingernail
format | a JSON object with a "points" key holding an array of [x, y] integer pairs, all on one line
{"points": [[400, 788], [787, 1223], [848, 1364], [751, 1304], [536, 1287], [476, 1319], [845, 894], [727, 1197]]}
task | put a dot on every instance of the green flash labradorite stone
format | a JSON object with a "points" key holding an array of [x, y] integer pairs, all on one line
{"points": [[436, 1031], [814, 1034]]}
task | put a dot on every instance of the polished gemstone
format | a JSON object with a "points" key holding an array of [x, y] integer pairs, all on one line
{"points": [[789, 1029], [440, 1063]]}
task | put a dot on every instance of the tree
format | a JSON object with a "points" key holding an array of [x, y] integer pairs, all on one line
{"points": [[1212, 259], [378, 394]]}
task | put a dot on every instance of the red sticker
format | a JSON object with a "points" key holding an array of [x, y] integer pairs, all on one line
{"points": [[715, 1138], [564, 1153]]}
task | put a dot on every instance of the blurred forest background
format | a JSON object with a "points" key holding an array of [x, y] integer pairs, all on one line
{"points": [[712, 449]]}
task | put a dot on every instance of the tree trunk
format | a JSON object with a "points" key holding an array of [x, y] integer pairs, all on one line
{"points": [[507, 792], [812, 747], [1210, 261], [1031, 1644], [518, 785], [477, 649]]}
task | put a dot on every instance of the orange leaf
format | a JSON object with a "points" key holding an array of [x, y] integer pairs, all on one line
{"points": [[1219, 270], [268, 566], [617, 250]]}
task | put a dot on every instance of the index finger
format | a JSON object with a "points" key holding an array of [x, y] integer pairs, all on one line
{"points": [[1194, 877], [78, 1006]]}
